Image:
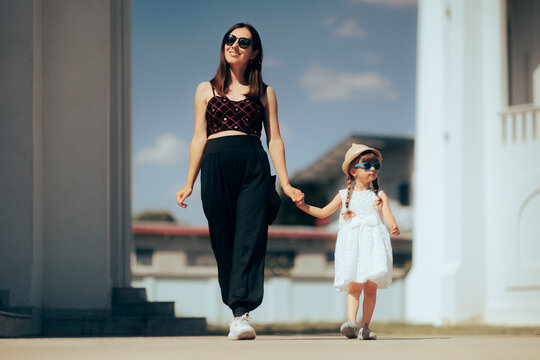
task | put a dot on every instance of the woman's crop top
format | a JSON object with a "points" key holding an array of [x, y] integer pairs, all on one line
{"points": [[223, 114]]}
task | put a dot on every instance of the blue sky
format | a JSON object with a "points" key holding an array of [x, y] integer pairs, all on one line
{"points": [[337, 66]]}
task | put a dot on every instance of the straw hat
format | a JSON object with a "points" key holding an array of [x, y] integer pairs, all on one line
{"points": [[355, 151]]}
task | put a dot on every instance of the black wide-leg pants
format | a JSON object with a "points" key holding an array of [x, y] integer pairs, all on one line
{"points": [[234, 180]]}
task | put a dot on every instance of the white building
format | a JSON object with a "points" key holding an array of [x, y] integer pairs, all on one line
{"points": [[176, 263], [476, 252]]}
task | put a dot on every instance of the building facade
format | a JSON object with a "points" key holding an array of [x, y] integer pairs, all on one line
{"points": [[65, 231], [477, 174], [176, 263]]}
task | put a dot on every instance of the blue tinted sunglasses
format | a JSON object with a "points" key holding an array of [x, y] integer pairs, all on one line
{"points": [[367, 166]]}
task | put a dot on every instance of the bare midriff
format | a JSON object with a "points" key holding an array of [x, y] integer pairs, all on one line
{"points": [[228, 133]]}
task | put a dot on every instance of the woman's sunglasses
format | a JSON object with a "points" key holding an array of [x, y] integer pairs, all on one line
{"points": [[243, 42], [367, 165]]}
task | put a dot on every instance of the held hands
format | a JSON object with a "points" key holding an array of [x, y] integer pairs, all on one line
{"points": [[296, 195], [182, 195], [394, 229]]}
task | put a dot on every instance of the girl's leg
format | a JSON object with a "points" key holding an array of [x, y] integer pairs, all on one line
{"points": [[349, 327], [370, 297], [353, 300]]}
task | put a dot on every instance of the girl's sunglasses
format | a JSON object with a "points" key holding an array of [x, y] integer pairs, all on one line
{"points": [[243, 42], [367, 166]]}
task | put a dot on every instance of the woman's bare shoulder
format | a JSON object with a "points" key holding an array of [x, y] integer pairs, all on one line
{"points": [[269, 96], [270, 92], [204, 86], [204, 91]]}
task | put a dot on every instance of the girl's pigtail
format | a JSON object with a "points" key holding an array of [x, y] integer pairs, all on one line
{"points": [[348, 214], [375, 184]]}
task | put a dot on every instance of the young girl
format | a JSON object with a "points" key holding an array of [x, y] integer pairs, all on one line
{"points": [[363, 256]]}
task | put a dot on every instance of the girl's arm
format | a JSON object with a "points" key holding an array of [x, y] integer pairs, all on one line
{"points": [[276, 148], [326, 211], [387, 214], [198, 142]]}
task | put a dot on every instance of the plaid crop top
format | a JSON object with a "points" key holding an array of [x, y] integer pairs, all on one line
{"points": [[246, 115]]}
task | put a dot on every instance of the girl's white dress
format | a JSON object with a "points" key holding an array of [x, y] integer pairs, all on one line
{"points": [[363, 249]]}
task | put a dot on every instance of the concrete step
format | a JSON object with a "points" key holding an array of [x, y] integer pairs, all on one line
{"points": [[145, 309], [125, 326], [16, 325], [22, 310], [176, 326], [128, 295]]}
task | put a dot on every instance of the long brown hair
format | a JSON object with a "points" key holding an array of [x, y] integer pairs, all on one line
{"points": [[222, 79], [367, 156]]}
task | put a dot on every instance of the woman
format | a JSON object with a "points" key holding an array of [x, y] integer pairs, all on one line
{"points": [[230, 111]]}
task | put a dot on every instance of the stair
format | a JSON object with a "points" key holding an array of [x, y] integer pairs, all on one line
{"points": [[131, 315], [132, 302], [128, 295], [16, 321]]}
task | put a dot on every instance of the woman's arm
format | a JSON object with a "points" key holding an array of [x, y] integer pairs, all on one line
{"points": [[387, 214], [276, 148], [198, 142], [325, 211]]}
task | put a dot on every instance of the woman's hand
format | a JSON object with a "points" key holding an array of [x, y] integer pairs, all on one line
{"points": [[394, 229], [182, 195], [296, 195]]}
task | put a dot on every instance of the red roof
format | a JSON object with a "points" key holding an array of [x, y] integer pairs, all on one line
{"points": [[157, 228], [277, 231]]}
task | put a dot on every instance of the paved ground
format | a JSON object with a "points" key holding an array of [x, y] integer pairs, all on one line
{"points": [[274, 347]]}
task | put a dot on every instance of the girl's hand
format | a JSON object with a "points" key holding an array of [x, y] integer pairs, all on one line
{"points": [[295, 194], [394, 229], [300, 204], [182, 195]]}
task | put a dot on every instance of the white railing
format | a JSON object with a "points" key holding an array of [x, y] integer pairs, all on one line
{"points": [[520, 124]]}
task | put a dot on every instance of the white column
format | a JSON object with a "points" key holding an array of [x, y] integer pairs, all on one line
{"points": [[424, 288], [64, 151], [85, 151], [447, 282], [20, 152]]}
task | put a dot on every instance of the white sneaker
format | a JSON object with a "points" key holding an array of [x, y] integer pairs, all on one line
{"points": [[349, 329], [365, 333], [239, 328]]}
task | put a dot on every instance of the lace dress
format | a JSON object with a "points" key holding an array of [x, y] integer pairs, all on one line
{"points": [[363, 250]]}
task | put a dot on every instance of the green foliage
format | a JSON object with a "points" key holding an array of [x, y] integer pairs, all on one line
{"points": [[279, 263], [155, 215]]}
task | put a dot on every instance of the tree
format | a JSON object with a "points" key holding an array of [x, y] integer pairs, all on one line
{"points": [[155, 215]]}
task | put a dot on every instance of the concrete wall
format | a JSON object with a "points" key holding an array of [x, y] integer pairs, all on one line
{"points": [[286, 299], [64, 159], [179, 266]]}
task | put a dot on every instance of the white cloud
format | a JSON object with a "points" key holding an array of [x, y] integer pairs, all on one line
{"points": [[272, 62], [371, 59], [329, 20], [327, 85], [391, 3], [168, 149], [350, 29], [285, 131]]}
